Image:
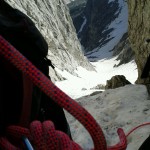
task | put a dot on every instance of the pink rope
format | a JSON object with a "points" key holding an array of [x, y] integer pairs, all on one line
{"points": [[141, 125]]}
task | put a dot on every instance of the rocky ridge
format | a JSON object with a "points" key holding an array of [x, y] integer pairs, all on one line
{"points": [[52, 18]]}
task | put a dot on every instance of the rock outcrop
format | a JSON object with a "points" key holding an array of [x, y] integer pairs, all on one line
{"points": [[76, 7], [116, 81], [53, 20], [139, 34], [123, 51]]}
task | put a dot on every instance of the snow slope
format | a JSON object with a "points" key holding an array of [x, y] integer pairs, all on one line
{"points": [[102, 60], [124, 107], [89, 79], [119, 26]]}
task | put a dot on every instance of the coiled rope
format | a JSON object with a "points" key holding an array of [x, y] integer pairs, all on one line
{"points": [[43, 135]]}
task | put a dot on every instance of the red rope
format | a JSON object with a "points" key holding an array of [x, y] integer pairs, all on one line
{"points": [[141, 125], [122, 145], [40, 133], [40, 80], [45, 137]]}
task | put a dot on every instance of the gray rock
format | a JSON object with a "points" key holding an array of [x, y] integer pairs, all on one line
{"points": [[116, 81], [99, 86], [84, 89], [95, 93], [139, 33], [52, 18], [123, 51]]}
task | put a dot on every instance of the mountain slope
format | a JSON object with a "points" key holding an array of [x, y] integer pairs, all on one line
{"points": [[124, 107], [96, 25], [53, 20], [102, 57]]}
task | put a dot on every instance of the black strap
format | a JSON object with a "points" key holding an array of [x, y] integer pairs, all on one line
{"points": [[146, 69], [146, 144]]}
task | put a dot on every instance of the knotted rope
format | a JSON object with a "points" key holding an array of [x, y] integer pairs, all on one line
{"points": [[42, 135]]}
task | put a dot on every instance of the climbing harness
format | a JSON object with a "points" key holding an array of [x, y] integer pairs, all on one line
{"points": [[43, 135]]}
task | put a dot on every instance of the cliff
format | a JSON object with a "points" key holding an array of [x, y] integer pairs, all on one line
{"points": [[52, 18], [123, 50], [92, 24], [139, 34]]}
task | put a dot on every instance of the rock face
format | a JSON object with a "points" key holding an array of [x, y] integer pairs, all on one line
{"points": [[91, 25], [53, 20], [76, 7], [116, 81], [139, 33], [76, 11], [123, 50], [67, 1]]}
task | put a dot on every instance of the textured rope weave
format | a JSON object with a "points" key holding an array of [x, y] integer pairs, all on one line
{"points": [[40, 80], [42, 135]]}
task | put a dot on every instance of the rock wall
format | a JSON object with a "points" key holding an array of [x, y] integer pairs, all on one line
{"points": [[76, 8], [139, 33], [53, 20], [123, 51], [96, 17]]}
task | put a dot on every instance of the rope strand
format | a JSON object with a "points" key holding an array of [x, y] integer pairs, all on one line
{"points": [[141, 125], [41, 81]]}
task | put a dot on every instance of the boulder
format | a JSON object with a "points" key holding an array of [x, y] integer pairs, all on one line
{"points": [[116, 81]]}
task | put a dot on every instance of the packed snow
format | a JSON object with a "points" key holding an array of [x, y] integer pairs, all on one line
{"points": [[82, 84], [124, 107]]}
